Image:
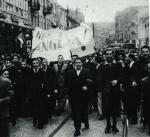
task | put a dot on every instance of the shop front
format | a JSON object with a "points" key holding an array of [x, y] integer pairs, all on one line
{"points": [[12, 32]]}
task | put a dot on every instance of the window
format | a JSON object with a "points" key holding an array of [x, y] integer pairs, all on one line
{"points": [[21, 12], [11, 8], [0, 3], [17, 10]]}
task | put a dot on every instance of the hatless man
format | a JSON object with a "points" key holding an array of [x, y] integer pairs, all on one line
{"points": [[49, 87], [145, 84], [111, 90], [37, 94], [60, 70], [79, 82]]}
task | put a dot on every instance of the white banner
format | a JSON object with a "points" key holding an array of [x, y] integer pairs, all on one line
{"points": [[53, 42]]}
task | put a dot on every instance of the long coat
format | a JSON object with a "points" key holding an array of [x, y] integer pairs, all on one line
{"points": [[23, 90], [131, 94], [146, 99], [78, 97], [37, 94], [110, 93], [50, 83]]}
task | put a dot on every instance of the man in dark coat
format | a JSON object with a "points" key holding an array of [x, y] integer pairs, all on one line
{"points": [[24, 88], [93, 93], [78, 83], [14, 71], [145, 84], [49, 87], [37, 94], [132, 87], [98, 86], [111, 90], [60, 70], [70, 67]]}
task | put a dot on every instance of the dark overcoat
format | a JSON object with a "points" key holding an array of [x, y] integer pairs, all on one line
{"points": [[37, 94], [78, 97], [110, 93]]}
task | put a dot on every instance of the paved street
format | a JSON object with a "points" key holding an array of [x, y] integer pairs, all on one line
{"points": [[24, 127], [97, 129]]}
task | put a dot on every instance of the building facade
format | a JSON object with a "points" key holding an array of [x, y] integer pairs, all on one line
{"points": [[14, 19], [18, 19], [49, 14], [129, 26]]}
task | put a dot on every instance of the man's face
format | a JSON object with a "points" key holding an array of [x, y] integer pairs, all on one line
{"points": [[15, 59], [78, 64], [44, 63], [145, 52], [23, 64], [135, 56], [73, 58], [35, 63], [8, 63], [109, 55], [60, 59]]}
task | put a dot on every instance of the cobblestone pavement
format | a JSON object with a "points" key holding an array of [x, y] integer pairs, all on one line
{"points": [[97, 129], [24, 127]]}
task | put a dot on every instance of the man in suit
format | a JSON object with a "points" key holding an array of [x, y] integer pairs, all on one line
{"points": [[70, 67], [49, 87], [145, 84], [111, 90], [98, 87], [24, 88], [79, 82], [14, 71], [60, 70], [93, 93], [37, 94], [132, 88]]}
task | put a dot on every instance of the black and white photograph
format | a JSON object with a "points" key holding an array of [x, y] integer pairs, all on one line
{"points": [[74, 68]]}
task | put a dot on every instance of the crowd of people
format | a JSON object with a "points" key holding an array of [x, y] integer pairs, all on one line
{"points": [[107, 82]]}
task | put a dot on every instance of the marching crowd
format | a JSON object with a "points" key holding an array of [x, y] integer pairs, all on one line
{"points": [[107, 82]]}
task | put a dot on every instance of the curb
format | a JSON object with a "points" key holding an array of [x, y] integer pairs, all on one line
{"points": [[59, 126]]}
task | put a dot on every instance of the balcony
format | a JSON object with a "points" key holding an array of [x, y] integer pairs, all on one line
{"points": [[47, 9], [35, 7]]}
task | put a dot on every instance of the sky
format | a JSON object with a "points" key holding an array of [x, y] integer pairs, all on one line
{"points": [[101, 10]]}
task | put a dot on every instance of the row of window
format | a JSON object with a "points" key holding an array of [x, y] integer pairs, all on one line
{"points": [[41, 23], [12, 7], [23, 4]]}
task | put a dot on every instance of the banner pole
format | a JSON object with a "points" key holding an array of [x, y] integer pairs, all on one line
{"points": [[93, 29], [67, 17]]}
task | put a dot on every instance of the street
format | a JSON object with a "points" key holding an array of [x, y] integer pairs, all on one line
{"points": [[74, 59], [25, 128], [97, 129]]}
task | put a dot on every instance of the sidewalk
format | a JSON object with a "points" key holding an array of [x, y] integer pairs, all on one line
{"points": [[24, 127]]}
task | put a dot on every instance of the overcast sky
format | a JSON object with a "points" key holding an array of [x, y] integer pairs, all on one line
{"points": [[101, 10]]}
